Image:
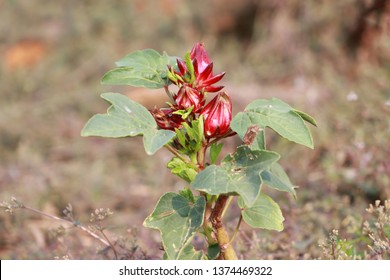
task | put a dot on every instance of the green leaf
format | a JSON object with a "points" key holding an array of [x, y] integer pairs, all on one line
{"points": [[264, 213], [306, 117], [277, 115], [181, 137], [213, 251], [191, 137], [276, 178], [177, 218], [189, 253], [238, 174], [144, 68], [190, 67], [127, 118], [240, 124], [182, 169], [195, 131], [215, 150], [187, 193], [184, 113]]}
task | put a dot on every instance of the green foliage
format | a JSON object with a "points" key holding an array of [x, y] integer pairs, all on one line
{"points": [[213, 251], [191, 137], [369, 239], [182, 169], [276, 178], [188, 253], [238, 174], [306, 117], [215, 150], [180, 216], [184, 113], [127, 118], [240, 124], [264, 213], [145, 68], [177, 218], [277, 115], [190, 67]]}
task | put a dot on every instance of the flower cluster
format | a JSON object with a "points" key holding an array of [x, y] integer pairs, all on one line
{"points": [[195, 79]]}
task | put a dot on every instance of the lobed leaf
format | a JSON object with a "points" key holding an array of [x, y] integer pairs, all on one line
{"points": [[277, 115], [276, 178], [126, 117], [264, 213], [143, 68], [240, 124], [189, 253], [238, 174], [177, 218]]}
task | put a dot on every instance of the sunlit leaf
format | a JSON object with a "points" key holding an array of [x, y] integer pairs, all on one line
{"points": [[238, 174], [240, 124], [177, 218], [306, 117], [182, 169], [126, 117], [215, 149], [264, 213], [277, 115], [276, 178], [143, 68]]}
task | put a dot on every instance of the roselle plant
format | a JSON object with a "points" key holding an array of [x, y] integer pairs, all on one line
{"points": [[192, 129]]}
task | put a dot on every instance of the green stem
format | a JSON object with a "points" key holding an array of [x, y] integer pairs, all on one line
{"points": [[237, 229], [201, 155], [175, 152], [180, 156], [226, 206], [207, 226], [169, 94], [193, 158]]}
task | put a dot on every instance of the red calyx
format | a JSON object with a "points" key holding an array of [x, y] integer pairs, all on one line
{"points": [[217, 116]]}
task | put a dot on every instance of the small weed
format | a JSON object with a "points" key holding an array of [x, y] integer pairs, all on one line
{"points": [[121, 248], [372, 241]]}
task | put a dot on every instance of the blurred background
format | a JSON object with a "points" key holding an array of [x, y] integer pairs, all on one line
{"points": [[328, 58]]}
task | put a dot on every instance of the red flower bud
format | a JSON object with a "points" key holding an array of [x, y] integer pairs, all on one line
{"points": [[165, 118], [217, 116], [182, 67], [203, 68], [188, 96], [199, 54]]}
